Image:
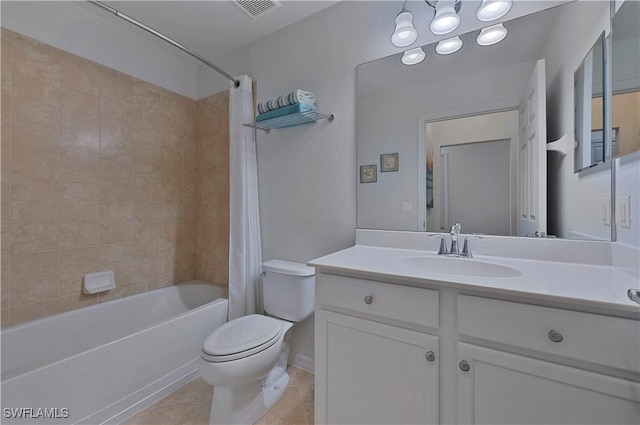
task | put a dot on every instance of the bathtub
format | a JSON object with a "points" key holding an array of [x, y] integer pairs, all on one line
{"points": [[104, 363]]}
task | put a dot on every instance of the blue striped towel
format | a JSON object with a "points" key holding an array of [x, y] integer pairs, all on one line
{"points": [[296, 96], [287, 110]]}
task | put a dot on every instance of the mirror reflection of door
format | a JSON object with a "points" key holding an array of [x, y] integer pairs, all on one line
{"points": [[474, 175]]}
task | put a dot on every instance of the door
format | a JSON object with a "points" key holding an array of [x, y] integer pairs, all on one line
{"points": [[504, 388], [532, 156], [372, 373]]}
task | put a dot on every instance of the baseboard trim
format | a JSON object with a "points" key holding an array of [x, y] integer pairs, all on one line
{"points": [[304, 363]]}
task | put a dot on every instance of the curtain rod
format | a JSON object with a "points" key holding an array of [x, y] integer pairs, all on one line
{"points": [[163, 37]]}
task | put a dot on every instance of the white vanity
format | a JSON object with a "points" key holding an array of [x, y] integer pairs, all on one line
{"points": [[529, 331]]}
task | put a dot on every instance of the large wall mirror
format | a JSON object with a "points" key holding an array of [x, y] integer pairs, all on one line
{"points": [[467, 134], [625, 76]]}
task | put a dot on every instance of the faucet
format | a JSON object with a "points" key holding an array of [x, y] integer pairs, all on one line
{"points": [[455, 246], [454, 232]]}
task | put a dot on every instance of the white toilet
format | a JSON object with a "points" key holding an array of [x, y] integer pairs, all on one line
{"points": [[246, 359]]}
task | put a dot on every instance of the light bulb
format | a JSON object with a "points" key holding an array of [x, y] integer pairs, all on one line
{"points": [[448, 46], [413, 56], [492, 35], [405, 33], [446, 18], [490, 10]]}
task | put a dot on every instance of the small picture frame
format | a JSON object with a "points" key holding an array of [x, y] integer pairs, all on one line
{"points": [[368, 173], [388, 162]]}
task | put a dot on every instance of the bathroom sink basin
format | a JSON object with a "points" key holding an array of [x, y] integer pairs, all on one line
{"points": [[459, 266]]}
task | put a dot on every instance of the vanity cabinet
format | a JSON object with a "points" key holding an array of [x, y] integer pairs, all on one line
{"points": [[388, 353], [497, 387], [378, 365]]}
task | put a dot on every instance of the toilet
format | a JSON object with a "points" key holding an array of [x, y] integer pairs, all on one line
{"points": [[246, 358]]}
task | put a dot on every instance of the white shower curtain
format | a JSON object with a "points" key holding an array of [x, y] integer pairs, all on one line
{"points": [[245, 252]]}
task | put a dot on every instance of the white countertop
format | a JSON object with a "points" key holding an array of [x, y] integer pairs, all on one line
{"points": [[579, 284]]}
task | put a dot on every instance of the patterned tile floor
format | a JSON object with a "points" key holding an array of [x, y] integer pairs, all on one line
{"points": [[190, 404]]}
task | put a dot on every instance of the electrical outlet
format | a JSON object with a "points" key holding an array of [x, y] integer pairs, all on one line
{"points": [[606, 211], [623, 209]]}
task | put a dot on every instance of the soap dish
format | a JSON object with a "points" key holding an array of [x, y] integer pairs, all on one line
{"points": [[94, 283]]}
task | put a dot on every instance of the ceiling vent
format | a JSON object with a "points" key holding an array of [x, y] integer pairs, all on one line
{"points": [[257, 8]]}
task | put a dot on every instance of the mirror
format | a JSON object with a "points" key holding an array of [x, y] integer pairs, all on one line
{"points": [[439, 120], [588, 86], [625, 59]]}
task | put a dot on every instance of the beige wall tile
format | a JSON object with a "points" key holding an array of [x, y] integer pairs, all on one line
{"points": [[6, 69], [33, 311], [146, 183], [80, 179], [34, 278], [146, 222], [36, 72], [119, 258], [115, 182], [145, 260], [143, 285], [79, 134], [115, 139], [168, 255], [171, 221], [35, 125], [79, 225], [146, 143], [75, 301], [116, 97], [74, 264], [5, 228], [5, 147], [5, 279], [116, 222], [34, 226], [171, 177], [35, 176], [80, 84]]}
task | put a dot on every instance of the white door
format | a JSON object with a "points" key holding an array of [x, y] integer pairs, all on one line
{"points": [[375, 373], [532, 156], [504, 388]]}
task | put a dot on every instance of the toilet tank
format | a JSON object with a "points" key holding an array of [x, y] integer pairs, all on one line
{"points": [[288, 290]]}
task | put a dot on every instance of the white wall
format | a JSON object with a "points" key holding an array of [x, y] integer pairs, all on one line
{"points": [[574, 199], [76, 29]]}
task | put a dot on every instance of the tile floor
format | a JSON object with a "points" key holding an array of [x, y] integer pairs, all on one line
{"points": [[190, 404]]}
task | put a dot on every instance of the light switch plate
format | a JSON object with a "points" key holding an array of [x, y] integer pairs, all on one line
{"points": [[606, 211], [623, 210]]}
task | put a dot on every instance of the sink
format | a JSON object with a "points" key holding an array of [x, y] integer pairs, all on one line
{"points": [[459, 266]]}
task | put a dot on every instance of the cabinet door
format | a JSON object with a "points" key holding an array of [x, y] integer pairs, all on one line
{"points": [[503, 388], [372, 373]]}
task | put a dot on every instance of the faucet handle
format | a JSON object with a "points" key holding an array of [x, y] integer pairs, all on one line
{"points": [[466, 249], [443, 246], [455, 229]]}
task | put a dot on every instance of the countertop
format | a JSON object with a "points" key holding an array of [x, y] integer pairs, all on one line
{"points": [[577, 284]]}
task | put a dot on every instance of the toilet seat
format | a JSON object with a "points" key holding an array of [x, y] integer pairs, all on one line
{"points": [[242, 337]]}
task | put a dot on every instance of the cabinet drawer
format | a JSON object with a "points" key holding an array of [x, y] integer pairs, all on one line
{"points": [[396, 302], [604, 340]]}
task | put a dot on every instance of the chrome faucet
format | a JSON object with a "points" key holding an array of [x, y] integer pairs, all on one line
{"points": [[454, 232], [455, 246]]}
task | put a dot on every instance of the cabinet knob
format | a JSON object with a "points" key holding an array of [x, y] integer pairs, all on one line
{"points": [[464, 366], [368, 299], [555, 336], [430, 356]]}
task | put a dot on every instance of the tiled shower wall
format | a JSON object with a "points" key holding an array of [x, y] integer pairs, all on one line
{"points": [[102, 171]]}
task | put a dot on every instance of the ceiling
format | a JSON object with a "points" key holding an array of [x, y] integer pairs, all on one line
{"points": [[210, 28]]}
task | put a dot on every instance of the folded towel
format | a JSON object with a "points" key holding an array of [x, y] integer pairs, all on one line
{"points": [[296, 96], [287, 110]]}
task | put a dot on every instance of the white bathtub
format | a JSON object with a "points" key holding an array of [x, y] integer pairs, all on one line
{"points": [[107, 362]]}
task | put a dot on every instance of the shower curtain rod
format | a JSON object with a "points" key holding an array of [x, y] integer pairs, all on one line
{"points": [[163, 37]]}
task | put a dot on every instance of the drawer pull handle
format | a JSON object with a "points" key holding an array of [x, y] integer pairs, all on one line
{"points": [[464, 366], [430, 356], [368, 299], [555, 336]]}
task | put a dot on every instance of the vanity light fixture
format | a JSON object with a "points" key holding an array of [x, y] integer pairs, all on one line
{"points": [[413, 56], [490, 10], [448, 46], [491, 35], [405, 33], [446, 18]]}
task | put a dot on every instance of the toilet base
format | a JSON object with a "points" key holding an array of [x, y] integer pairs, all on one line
{"points": [[246, 404]]}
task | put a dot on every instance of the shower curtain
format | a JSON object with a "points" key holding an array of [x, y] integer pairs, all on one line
{"points": [[245, 254]]}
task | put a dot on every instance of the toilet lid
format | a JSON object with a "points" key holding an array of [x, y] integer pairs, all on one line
{"points": [[242, 334]]}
